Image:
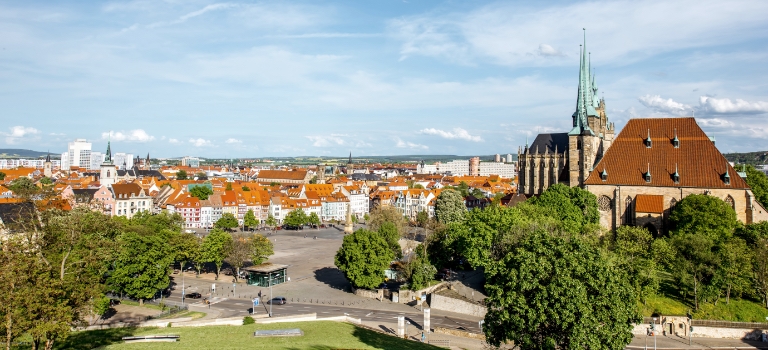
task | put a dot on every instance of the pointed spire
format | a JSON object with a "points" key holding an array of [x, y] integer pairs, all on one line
{"points": [[676, 141], [108, 156], [727, 177], [48, 157], [676, 175], [584, 107], [648, 141]]}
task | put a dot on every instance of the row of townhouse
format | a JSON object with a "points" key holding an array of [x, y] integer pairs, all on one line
{"points": [[123, 199]]}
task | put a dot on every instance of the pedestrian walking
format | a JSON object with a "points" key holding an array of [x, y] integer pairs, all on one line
{"points": [[422, 337]]}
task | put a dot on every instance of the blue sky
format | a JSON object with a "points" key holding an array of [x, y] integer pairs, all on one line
{"points": [[291, 78]]}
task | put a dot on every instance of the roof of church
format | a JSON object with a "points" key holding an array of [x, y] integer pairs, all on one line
{"points": [[544, 142], [697, 161]]}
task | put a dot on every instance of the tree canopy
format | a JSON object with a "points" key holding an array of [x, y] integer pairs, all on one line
{"points": [[201, 192], [758, 181], [388, 231], [575, 207], [142, 267], [227, 221], [703, 214], [295, 218], [552, 290], [262, 249], [216, 247], [363, 257], [181, 175], [449, 207], [313, 219], [250, 219]]}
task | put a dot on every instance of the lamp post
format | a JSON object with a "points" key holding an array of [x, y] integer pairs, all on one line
{"points": [[653, 327], [182, 286], [406, 328], [270, 292]]}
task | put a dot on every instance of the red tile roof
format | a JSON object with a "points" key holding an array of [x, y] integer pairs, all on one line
{"points": [[648, 203], [698, 162]]}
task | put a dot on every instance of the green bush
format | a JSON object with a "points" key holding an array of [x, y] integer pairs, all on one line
{"points": [[248, 320]]}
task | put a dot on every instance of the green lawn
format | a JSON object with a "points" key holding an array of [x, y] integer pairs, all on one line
{"points": [[317, 335], [670, 302]]}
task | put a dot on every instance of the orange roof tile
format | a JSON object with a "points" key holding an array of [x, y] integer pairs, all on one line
{"points": [[648, 203]]}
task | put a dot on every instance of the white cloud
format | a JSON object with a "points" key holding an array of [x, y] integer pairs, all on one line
{"points": [[405, 144], [458, 133], [232, 140], [200, 142], [193, 14], [513, 34], [18, 132], [138, 135], [173, 141], [659, 104], [713, 105], [327, 141], [715, 123]]}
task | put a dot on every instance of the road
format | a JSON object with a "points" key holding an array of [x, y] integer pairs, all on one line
{"points": [[231, 307]]}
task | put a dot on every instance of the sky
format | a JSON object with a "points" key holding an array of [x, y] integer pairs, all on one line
{"points": [[380, 77]]}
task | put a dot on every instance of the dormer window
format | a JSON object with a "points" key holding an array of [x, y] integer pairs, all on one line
{"points": [[676, 176], [648, 141], [647, 174], [727, 178], [604, 175]]}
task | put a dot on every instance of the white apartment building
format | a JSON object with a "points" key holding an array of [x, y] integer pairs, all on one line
{"points": [[190, 162], [26, 163], [358, 200], [505, 170], [78, 155], [411, 202], [509, 158], [123, 160], [130, 199], [96, 159]]}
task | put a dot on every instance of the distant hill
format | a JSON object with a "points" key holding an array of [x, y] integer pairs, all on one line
{"points": [[24, 153], [753, 158]]}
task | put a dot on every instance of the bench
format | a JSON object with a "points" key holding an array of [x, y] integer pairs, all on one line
{"points": [[152, 338]]}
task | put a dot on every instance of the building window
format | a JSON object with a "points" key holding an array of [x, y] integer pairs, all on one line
{"points": [[628, 210], [729, 201], [604, 203]]}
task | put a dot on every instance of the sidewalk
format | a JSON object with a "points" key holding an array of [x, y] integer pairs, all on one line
{"points": [[414, 333], [673, 342]]}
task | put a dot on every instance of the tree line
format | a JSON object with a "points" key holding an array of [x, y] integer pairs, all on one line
{"points": [[58, 265]]}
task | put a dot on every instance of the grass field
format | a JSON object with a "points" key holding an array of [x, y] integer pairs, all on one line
{"points": [[669, 302], [317, 335]]}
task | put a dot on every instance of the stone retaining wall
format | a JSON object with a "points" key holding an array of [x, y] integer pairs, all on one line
{"points": [[459, 333], [440, 302], [708, 332]]}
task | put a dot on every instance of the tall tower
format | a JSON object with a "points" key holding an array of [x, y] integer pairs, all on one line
{"points": [[108, 169], [48, 166], [321, 173], [584, 144]]}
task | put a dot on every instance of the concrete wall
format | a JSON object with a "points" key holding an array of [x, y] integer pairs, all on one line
{"points": [[440, 302], [459, 333], [709, 332]]}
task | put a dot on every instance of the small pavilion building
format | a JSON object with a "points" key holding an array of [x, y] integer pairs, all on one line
{"points": [[266, 274]]}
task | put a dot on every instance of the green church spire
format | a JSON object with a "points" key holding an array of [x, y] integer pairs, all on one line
{"points": [[584, 107], [108, 156]]}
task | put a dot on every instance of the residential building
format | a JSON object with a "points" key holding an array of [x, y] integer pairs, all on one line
{"points": [[297, 176], [190, 162], [130, 199], [78, 155], [123, 160], [504, 170]]}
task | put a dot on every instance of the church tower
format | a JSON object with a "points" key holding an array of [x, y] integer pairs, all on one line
{"points": [[591, 134], [108, 169], [48, 166]]}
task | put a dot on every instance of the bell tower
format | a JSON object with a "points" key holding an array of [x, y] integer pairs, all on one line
{"points": [[108, 175], [48, 166]]}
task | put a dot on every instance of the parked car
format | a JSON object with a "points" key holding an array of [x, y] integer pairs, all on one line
{"points": [[278, 301], [193, 295]]}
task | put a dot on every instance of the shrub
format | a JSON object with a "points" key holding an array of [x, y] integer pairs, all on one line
{"points": [[248, 320]]}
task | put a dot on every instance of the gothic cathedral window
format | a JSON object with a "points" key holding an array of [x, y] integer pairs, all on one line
{"points": [[604, 203]]}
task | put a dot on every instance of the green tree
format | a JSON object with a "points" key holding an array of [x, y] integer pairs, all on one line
{"points": [[157, 222], [449, 207], [201, 176], [229, 187], [142, 266], [633, 246], [250, 219], [2, 176], [246, 188], [262, 249], [363, 257], [733, 271], [463, 189], [101, 305], [422, 218], [418, 186], [181, 175], [758, 181], [422, 272], [383, 214], [23, 187], [46, 181], [295, 218], [477, 193], [216, 247], [366, 217], [313, 180], [240, 252], [271, 222], [185, 247], [314, 220], [696, 263], [201, 192], [575, 207], [227, 221], [704, 215], [549, 286], [388, 231], [760, 269]]}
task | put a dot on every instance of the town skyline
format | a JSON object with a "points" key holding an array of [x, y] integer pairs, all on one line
{"points": [[237, 80]]}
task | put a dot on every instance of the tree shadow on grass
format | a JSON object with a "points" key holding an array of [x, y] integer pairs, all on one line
{"points": [[95, 338], [333, 278], [383, 341]]}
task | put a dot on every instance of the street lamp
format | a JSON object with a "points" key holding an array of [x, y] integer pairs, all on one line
{"points": [[653, 327], [406, 328], [182, 286], [270, 292]]}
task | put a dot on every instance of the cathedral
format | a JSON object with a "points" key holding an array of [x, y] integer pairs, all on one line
{"points": [[568, 158]]}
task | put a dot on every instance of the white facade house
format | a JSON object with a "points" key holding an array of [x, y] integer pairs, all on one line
{"points": [[123, 160], [130, 199], [96, 159], [455, 167], [411, 202], [358, 200]]}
